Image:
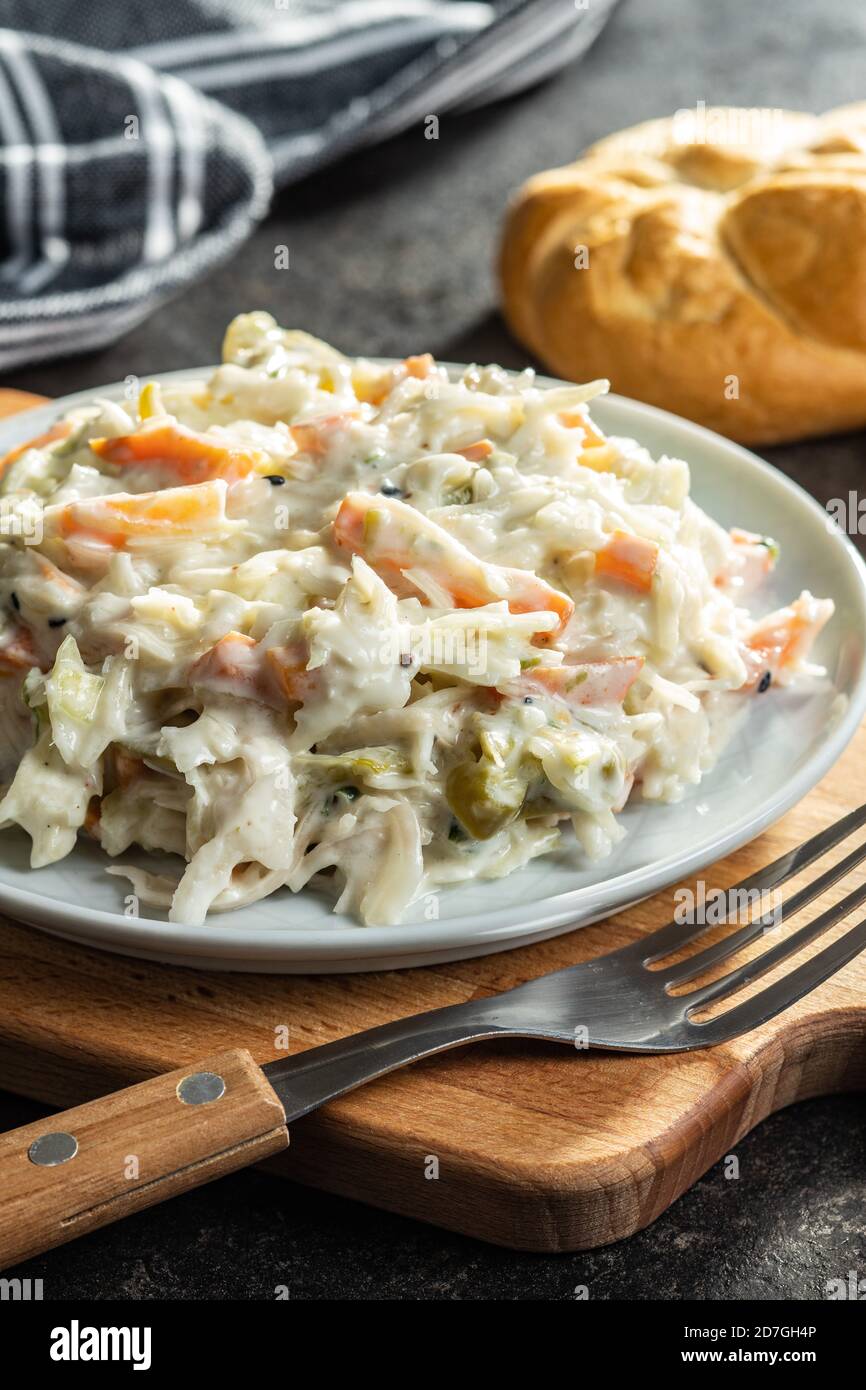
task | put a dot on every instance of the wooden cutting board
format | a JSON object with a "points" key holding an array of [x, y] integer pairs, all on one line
{"points": [[536, 1146]]}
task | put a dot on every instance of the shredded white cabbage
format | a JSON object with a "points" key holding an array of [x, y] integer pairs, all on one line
{"points": [[321, 622]]}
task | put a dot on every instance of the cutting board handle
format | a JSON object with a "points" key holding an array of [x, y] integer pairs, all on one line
{"points": [[75, 1171]]}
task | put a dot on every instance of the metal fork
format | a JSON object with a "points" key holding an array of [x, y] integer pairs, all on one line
{"points": [[224, 1113], [618, 1000]]}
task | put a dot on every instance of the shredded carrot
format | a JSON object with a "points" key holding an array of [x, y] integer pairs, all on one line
{"points": [[190, 457], [236, 664], [420, 367], [315, 436], [573, 419], [375, 392], [597, 452], [481, 449], [53, 575], [590, 683], [629, 559], [289, 667], [173, 514], [387, 533], [18, 654], [775, 645], [271, 675], [534, 595]]}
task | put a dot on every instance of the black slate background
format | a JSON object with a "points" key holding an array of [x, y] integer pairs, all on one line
{"points": [[391, 253], [791, 1221]]}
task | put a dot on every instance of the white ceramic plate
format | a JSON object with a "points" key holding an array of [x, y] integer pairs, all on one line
{"points": [[789, 742]]}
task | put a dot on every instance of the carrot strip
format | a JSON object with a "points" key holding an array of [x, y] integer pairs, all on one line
{"points": [[316, 436], [394, 538], [288, 665], [53, 575], [573, 419], [629, 559], [590, 683], [238, 665], [753, 559], [419, 367], [18, 654], [597, 452], [375, 392], [188, 456], [481, 449], [173, 514], [233, 664], [783, 639]]}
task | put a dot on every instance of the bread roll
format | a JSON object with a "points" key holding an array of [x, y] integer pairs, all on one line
{"points": [[712, 263]]}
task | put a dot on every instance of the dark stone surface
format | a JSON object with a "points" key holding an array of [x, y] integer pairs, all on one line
{"points": [[791, 1221], [391, 253]]}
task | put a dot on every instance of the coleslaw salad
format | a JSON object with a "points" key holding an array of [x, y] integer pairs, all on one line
{"points": [[319, 622]]}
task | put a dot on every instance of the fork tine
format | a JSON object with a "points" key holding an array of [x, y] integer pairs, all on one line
{"points": [[781, 995], [704, 960], [675, 935], [753, 969]]}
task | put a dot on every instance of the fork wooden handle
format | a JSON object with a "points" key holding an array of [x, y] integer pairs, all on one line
{"points": [[83, 1168]]}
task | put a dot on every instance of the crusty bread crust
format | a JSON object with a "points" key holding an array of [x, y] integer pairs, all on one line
{"points": [[707, 270]]}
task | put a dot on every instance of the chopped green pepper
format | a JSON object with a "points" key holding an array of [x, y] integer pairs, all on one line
{"points": [[484, 798]]}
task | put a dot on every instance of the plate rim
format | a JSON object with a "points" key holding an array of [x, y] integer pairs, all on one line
{"points": [[159, 939]]}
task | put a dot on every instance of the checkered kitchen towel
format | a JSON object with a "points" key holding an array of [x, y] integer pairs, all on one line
{"points": [[140, 139]]}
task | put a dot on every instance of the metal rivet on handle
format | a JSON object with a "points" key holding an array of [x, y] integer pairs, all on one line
{"points": [[50, 1149], [201, 1088]]}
